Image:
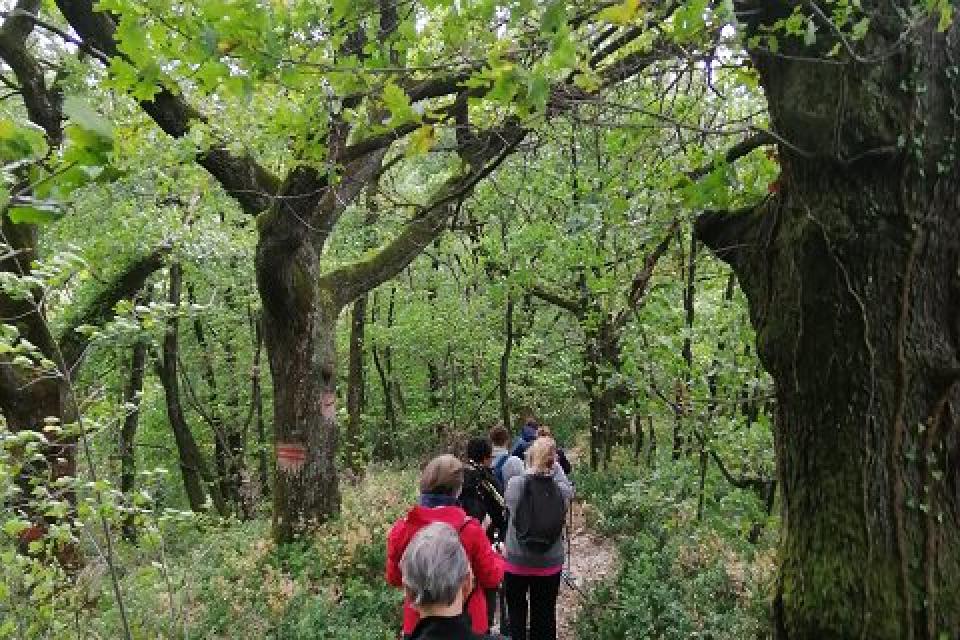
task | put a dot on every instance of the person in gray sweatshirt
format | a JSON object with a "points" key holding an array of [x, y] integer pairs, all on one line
{"points": [[532, 575]]}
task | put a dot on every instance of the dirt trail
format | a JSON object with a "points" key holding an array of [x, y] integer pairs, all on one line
{"points": [[592, 558]]}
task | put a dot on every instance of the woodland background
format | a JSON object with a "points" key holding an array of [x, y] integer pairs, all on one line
{"points": [[261, 259]]}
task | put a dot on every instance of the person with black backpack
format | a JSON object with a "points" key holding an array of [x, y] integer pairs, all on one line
{"points": [[537, 502], [480, 496], [481, 499]]}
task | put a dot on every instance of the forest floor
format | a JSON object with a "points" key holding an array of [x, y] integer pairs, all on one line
{"points": [[592, 558]]}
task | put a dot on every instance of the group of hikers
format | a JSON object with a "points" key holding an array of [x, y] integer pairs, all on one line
{"points": [[485, 535]]}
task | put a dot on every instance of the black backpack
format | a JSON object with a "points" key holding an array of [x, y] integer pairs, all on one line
{"points": [[540, 513], [471, 495]]}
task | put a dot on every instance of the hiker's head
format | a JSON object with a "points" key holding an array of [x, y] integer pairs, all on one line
{"points": [[443, 475], [499, 436], [480, 451], [542, 455], [544, 431], [435, 569], [529, 431]]}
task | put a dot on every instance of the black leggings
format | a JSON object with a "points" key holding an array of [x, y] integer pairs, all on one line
{"points": [[542, 592]]}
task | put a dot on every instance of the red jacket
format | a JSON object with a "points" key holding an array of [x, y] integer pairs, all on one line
{"points": [[486, 564]]}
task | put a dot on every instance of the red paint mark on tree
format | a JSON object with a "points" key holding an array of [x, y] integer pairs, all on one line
{"points": [[291, 456], [328, 404]]}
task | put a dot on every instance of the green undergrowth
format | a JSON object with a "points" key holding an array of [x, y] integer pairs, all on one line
{"points": [[679, 578], [217, 581]]}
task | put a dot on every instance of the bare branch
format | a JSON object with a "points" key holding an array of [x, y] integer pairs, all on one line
{"points": [[641, 281]]}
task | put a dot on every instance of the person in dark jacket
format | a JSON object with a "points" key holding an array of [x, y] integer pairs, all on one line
{"points": [[531, 431], [482, 499], [528, 433], [480, 496], [437, 582]]}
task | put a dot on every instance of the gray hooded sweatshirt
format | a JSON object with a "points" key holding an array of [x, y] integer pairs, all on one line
{"points": [[516, 553]]}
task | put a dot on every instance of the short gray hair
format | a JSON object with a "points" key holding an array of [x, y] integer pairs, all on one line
{"points": [[434, 565]]}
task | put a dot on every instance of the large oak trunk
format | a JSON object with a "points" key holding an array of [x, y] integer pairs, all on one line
{"points": [[299, 330], [851, 276]]}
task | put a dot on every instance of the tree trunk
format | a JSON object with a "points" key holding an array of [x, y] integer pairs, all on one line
{"points": [[850, 273], [256, 394], [383, 449], [221, 448], [434, 381], [383, 439], [505, 364], [355, 381], [299, 330], [128, 432], [193, 467]]}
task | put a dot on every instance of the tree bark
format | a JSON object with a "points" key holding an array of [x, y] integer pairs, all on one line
{"points": [[128, 432], [197, 478], [505, 363], [256, 397], [850, 274], [355, 383]]}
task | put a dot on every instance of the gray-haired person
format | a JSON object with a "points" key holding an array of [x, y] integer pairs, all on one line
{"points": [[437, 580]]}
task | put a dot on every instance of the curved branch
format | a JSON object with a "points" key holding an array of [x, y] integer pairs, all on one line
{"points": [[124, 285], [351, 281], [641, 281]]}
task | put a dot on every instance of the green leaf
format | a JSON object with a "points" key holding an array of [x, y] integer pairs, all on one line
{"points": [[563, 54], [860, 29], [554, 17], [421, 141], [538, 91], [688, 19], [504, 83], [398, 102], [81, 114], [37, 213], [946, 17], [14, 526], [18, 142], [622, 13]]}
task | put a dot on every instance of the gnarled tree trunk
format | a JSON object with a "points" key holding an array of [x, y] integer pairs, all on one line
{"points": [[851, 275]]}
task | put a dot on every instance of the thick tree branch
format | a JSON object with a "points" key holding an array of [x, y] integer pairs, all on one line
{"points": [[729, 235], [124, 285], [556, 299], [43, 104], [241, 176], [356, 175], [754, 483], [352, 281], [734, 153]]}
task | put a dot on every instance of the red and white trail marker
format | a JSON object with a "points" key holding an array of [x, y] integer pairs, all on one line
{"points": [[291, 456]]}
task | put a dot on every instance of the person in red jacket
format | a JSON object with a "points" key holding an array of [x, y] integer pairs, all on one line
{"points": [[440, 484]]}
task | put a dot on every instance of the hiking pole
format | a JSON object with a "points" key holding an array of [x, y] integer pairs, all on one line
{"points": [[568, 570]]}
